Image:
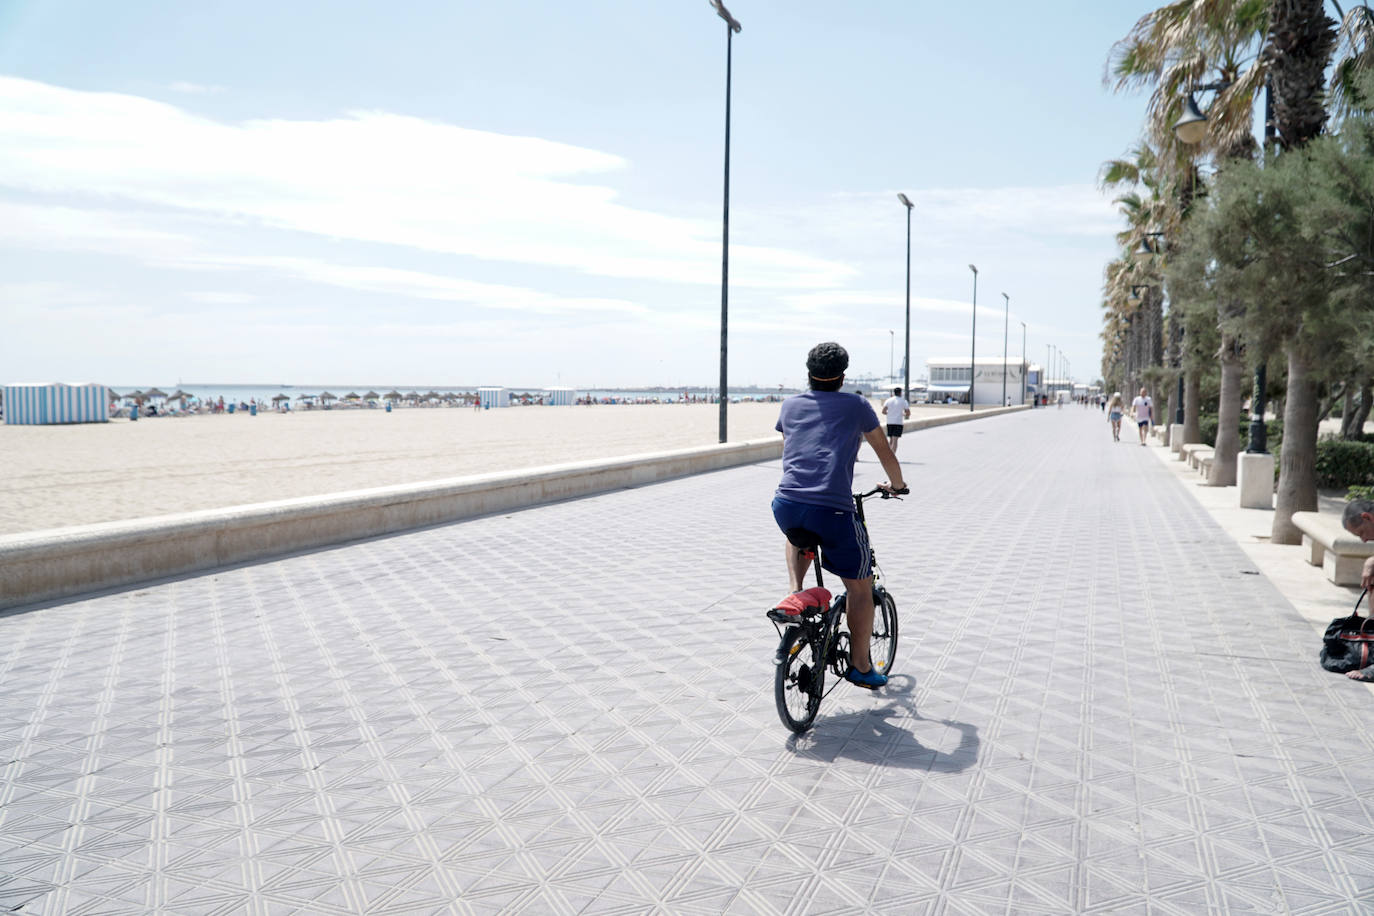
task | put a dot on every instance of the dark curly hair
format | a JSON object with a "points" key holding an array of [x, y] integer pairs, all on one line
{"points": [[825, 366]]}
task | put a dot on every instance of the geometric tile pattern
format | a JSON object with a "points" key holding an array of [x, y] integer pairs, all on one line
{"points": [[1098, 707]]}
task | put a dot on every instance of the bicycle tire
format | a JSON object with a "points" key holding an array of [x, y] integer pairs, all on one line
{"points": [[799, 678], [882, 649]]}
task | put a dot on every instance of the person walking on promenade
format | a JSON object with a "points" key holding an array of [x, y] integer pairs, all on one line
{"points": [[1115, 410], [897, 410], [1144, 410], [822, 429]]}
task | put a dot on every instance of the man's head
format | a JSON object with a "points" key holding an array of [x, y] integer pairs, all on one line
{"points": [[825, 366], [896, 392], [1142, 392], [1358, 518]]}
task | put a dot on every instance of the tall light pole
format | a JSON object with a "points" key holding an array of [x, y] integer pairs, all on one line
{"points": [[731, 27], [891, 347], [906, 358], [1006, 313], [1045, 374], [973, 347], [1023, 364]]}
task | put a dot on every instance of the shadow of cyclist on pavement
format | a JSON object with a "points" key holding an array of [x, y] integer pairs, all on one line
{"points": [[884, 736]]}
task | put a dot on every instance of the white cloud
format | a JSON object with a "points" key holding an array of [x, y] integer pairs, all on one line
{"points": [[372, 176], [194, 88]]}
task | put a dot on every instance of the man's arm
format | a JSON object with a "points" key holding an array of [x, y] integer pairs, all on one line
{"points": [[878, 442], [1367, 577]]}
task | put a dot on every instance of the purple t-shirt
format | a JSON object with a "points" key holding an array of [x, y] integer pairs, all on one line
{"points": [[821, 433]]}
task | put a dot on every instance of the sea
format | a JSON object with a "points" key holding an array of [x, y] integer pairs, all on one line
{"points": [[239, 393]]}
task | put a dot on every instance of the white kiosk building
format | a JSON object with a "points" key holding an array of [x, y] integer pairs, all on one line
{"points": [[949, 378]]}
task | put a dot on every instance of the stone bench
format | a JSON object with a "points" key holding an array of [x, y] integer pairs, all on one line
{"points": [[1194, 452], [1205, 465], [1339, 553]]}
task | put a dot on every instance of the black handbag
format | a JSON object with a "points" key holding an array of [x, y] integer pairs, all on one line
{"points": [[1348, 644]]}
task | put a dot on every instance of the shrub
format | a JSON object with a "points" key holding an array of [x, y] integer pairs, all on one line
{"points": [[1273, 431], [1344, 464], [1359, 492]]}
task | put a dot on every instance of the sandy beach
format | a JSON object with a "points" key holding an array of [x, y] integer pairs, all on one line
{"points": [[56, 476]]}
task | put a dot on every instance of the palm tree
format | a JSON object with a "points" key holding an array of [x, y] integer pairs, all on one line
{"points": [[1354, 59], [1176, 49]]}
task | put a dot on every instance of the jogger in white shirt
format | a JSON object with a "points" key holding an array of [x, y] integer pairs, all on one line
{"points": [[897, 410]]}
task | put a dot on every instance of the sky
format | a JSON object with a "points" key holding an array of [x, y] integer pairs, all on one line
{"points": [[530, 192]]}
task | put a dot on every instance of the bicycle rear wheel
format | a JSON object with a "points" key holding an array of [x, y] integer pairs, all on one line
{"points": [[883, 647], [799, 678]]}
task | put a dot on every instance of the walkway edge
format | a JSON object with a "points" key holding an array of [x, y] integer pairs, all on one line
{"points": [[63, 562]]}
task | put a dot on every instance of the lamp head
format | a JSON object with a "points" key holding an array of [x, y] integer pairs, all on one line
{"points": [[974, 269], [1191, 128], [905, 203], [723, 13]]}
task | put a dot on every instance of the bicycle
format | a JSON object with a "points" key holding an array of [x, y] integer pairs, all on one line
{"points": [[811, 638]]}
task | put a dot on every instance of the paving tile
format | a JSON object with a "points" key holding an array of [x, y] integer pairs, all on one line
{"points": [[568, 709]]}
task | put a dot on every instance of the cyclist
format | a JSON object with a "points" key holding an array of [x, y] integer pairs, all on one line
{"points": [[821, 432]]}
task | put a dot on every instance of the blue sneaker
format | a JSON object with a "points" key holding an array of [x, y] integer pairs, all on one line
{"points": [[872, 680]]}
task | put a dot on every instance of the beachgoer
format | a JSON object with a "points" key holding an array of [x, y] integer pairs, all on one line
{"points": [[1144, 410], [897, 410], [1114, 412], [822, 430]]}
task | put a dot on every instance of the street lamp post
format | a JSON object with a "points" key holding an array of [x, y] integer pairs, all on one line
{"points": [[1023, 363], [731, 27], [1045, 375], [973, 345], [891, 348], [906, 357], [1006, 312]]}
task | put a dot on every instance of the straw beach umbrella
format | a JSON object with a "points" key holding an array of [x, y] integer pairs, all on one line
{"points": [[155, 393], [393, 395], [351, 396], [326, 396], [371, 396], [278, 398]]}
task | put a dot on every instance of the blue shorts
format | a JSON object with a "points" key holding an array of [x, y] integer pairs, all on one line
{"points": [[844, 543]]}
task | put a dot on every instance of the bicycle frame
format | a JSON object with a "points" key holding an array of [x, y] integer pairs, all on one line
{"points": [[826, 626]]}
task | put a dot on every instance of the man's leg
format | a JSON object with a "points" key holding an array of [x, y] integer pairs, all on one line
{"points": [[797, 568], [892, 443], [860, 613]]}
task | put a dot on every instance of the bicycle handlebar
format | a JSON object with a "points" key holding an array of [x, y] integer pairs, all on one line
{"points": [[887, 493]]}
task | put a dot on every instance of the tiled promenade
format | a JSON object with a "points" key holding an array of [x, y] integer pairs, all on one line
{"points": [[1100, 708]]}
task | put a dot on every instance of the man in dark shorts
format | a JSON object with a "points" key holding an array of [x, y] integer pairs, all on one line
{"points": [[821, 433], [897, 410]]}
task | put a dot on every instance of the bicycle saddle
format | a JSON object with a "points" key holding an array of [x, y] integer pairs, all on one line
{"points": [[803, 603]]}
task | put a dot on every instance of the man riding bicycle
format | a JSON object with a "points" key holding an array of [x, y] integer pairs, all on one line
{"points": [[821, 432]]}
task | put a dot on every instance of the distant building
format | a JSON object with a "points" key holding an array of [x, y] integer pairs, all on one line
{"points": [[949, 378]]}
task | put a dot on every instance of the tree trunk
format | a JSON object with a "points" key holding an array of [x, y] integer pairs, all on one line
{"points": [[1223, 473], [1348, 409], [1362, 412], [1297, 490], [1324, 410], [1192, 393]]}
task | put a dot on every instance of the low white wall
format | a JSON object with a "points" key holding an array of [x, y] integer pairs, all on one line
{"points": [[60, 562]]}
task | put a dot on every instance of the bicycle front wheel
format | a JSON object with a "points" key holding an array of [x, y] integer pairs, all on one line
{"points": [[882, 649], [799, 678]]}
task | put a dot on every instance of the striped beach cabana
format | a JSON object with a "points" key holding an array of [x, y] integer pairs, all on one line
{"points": [[29, 404], [494, 397], [560, 396]]}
